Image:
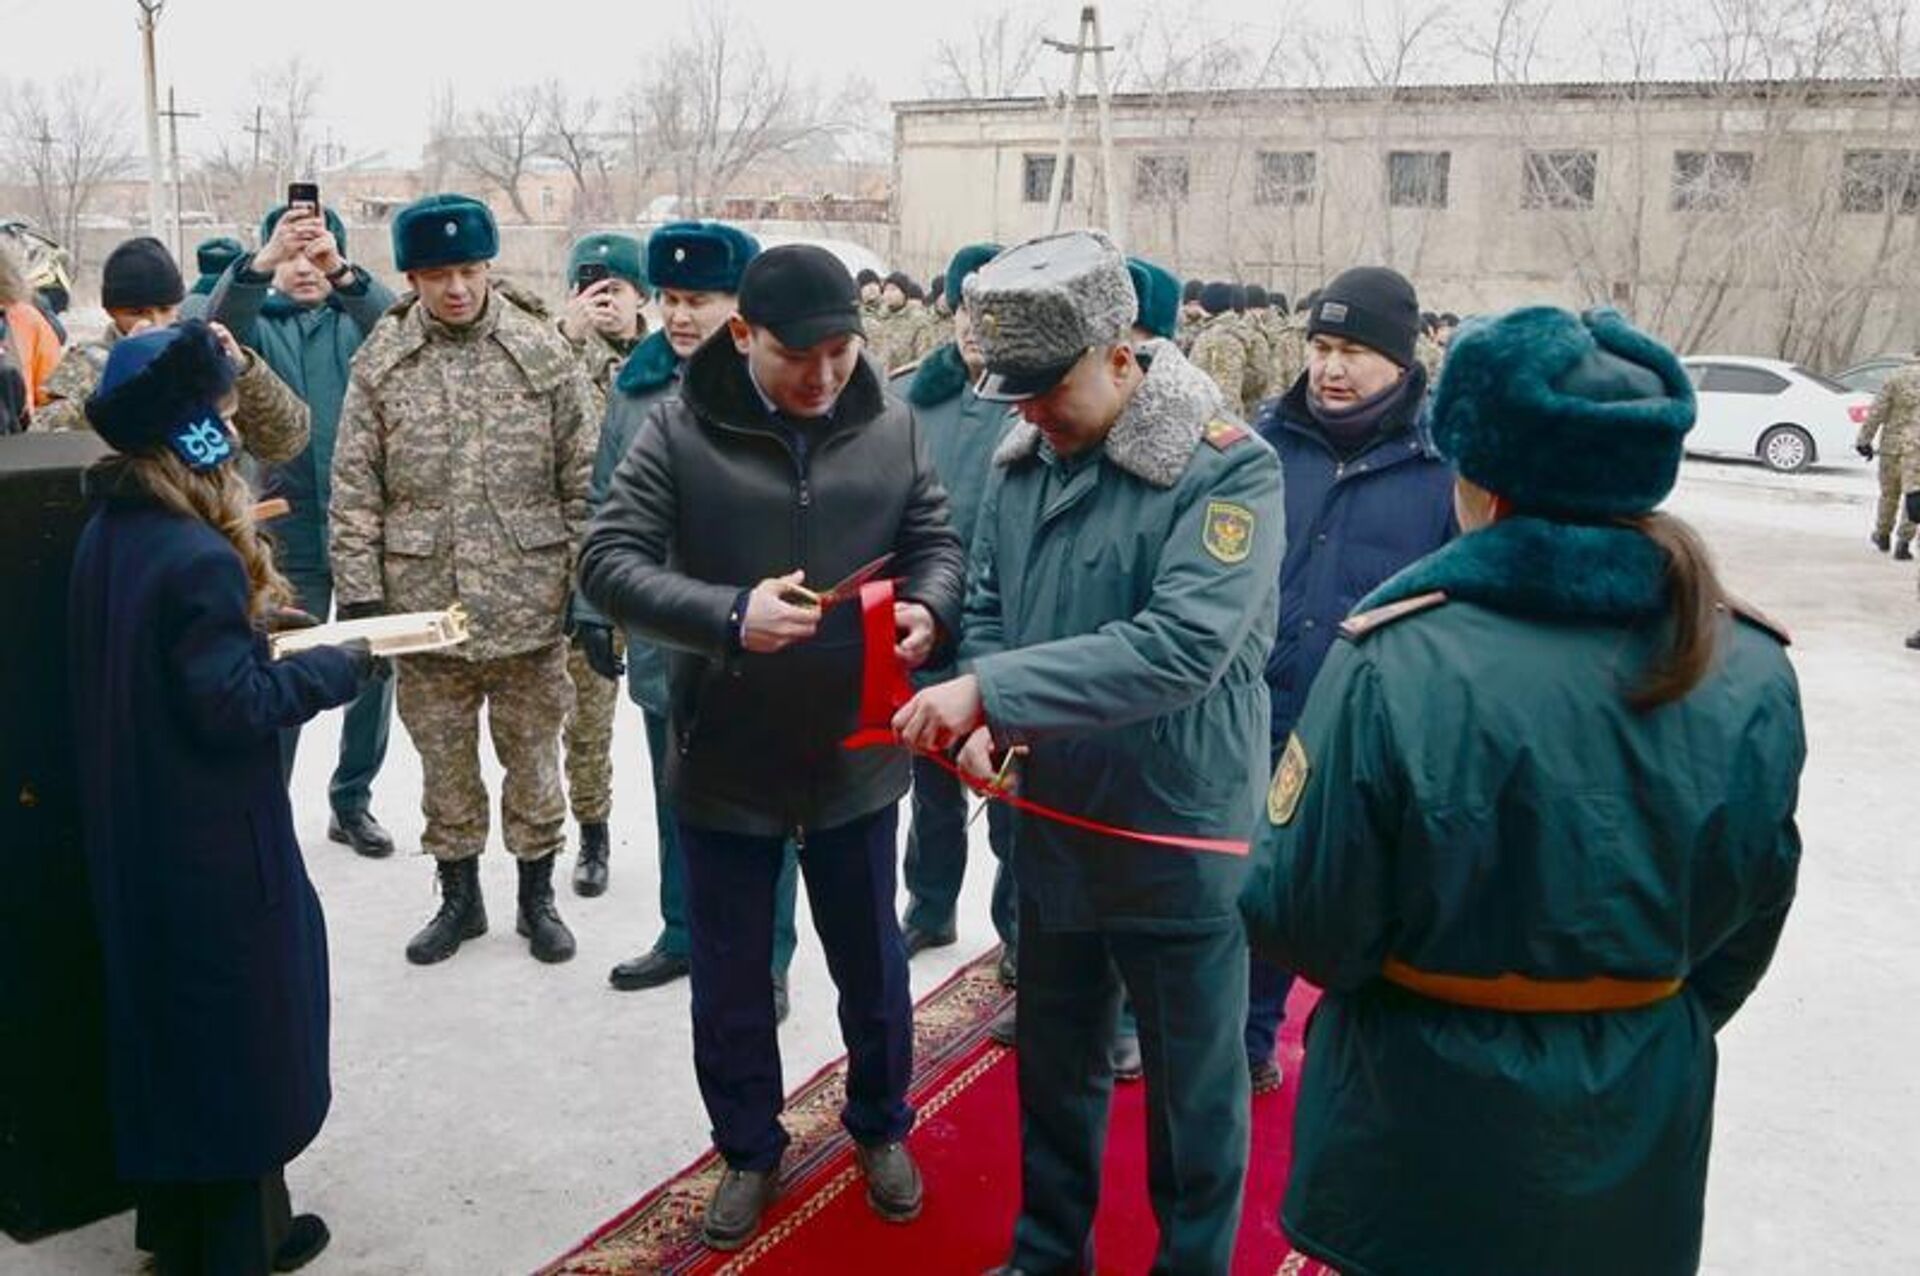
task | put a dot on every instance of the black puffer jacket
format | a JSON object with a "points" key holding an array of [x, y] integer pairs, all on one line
{"points": [[713, 497]]}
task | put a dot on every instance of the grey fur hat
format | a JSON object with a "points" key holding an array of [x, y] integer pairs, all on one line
{"points": [[1039, 306]]}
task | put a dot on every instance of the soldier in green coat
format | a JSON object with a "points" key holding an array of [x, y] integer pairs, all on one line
{"points": [[1535, 837], [1122, 602]]}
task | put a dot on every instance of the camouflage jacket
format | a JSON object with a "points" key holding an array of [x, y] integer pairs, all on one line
{"points": [[1257, 379], [1893, 424], [272, 421], [891, 336], [1429, 354], [1219, 351], [600, 357], [461, 472], [1288, 341]]}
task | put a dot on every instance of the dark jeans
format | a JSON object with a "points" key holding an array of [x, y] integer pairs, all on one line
{"points": [[937, 853], [213, 1229], [736, 1048], [673, 890], [363, 736]]}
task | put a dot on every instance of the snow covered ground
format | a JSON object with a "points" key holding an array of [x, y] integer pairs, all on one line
{"points": [[490, 1111]]}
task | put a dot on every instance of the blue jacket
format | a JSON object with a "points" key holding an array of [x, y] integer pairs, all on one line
{"points": [[310, 348], [1350, 526], [213, 946]]}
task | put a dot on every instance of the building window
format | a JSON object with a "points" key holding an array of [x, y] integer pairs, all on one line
{"points": [[1874, 181], [1036, 183], [1559, 179], [1418, 179], [1710, 181], [1159, 179], [1285, 177]]}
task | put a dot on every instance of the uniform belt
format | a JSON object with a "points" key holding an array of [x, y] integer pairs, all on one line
{"points": [[1531, 996]]}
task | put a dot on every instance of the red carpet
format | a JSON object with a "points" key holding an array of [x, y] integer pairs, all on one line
{"points": [[967, 1143]]}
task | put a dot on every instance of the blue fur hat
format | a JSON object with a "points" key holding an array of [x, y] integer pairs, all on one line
{"points": [[335, 226], [1159, 294], [620, 254], [164, 386], [699, 256], [443, 230], [1580, 416]]}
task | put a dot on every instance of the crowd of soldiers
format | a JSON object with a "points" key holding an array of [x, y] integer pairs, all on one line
{"points": [[1125, 524]]}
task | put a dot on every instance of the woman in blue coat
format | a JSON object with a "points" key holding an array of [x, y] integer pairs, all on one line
{"points": [[214, 944]]}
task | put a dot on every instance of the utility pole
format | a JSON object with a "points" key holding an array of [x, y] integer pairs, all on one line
{"points": [[174, 117], [1088, 41], [149, 18], [259, 131]]}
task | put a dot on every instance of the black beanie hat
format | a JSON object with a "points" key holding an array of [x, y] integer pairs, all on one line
{"points": [[867, 276], [141, 273], [1216, 298], [1256, 297], [1191, 292], [1372, 305], [900, 279], [1239, 298], [1278, 300]]}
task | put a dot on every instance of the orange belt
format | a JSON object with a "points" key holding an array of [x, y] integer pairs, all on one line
{"points": [[1531, 996]]}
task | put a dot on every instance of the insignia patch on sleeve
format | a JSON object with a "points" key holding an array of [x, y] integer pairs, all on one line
{"points": [[1289, 782], [1229, 531]]}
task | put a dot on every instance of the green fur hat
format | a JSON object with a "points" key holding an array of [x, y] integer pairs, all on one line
{"points": [[1159, 294], [443, 230], [1577, 416], [337, 227], [699, 256], [620, 254], [964, 263]]}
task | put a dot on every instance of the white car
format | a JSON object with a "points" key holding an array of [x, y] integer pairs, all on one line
{"points": [[1780, 412]]}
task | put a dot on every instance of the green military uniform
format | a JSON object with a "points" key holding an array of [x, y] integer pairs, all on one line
{"points": [[460, 476], [1219, 351], [1893, 428], [1430, 354], [891, 335], [1119, 618], [1287, 341], [1258, 374], [1531, 902]]}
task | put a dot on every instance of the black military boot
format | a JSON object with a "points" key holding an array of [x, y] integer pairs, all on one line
{"points": [[1903, 551], [1882, 541], [590, 868], [539, 922], [462, 915]]}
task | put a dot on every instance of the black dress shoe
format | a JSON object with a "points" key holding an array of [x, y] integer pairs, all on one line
{"points": [[1124, 1056], [1265, 1075], [1004, 1028], [734, 1209], [307, 1235], [362, 832], [919, 940], [1008, 969], [649, 970], [893, 1181], [781, 1002]]}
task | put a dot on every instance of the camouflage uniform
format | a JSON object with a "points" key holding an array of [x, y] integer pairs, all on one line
{"points": [[1429, 354], [1219, 352], [890, 338], [1289, 344], [461, 475], [1893, 427], [1259, 370], [929, 332], [601, 356], [271, 420]]}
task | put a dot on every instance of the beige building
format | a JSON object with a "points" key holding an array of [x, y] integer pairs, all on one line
{"points": [[1764, 218]]}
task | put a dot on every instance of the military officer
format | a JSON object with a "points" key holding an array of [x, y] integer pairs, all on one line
{"points": [[1119, 615], [1891, 429], [1259, 350], [962, 430], [460, 476], [1217, 349], [695, 268]]}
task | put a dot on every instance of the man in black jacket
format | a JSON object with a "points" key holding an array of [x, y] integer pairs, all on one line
{"points": [[782, 465]]}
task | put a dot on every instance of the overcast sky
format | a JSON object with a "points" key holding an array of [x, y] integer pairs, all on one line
{"points": [[381, 59]]}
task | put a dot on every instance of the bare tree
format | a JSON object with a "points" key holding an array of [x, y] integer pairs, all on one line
{"points": [[65, 144], [291, 94], [441, 155], [498, 142], [994, 58], [570, 130]]}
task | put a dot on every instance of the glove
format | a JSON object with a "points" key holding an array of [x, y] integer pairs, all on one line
{"points": [[367, 667], [596, 643], [1865, 450], [281, 619], [361, 611], [1913, 505]]}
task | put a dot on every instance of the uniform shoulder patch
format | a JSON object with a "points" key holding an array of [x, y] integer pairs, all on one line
{"points": [[1359, 625], [1760, 620], [1289, 782], [1228, 534], [1223, 434]]}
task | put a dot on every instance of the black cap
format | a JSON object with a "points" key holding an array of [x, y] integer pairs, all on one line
{"points": [[138, 274], [1372, 305], [1256, 297], [1216, 298], [803, 295], [1191, 291]]}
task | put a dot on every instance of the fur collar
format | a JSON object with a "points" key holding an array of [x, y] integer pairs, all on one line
{"points": [[940, 376], [1532, 567], [651, 365], [1162, 424]]}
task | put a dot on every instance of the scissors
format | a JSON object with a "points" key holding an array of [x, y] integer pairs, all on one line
{"points": [[844, 591]]}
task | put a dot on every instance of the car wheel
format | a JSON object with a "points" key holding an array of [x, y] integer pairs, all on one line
{"points": [[1787, 449]]}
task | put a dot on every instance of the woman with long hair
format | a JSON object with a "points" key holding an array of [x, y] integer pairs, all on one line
{"points": [[213, 943], [1534, 835]]}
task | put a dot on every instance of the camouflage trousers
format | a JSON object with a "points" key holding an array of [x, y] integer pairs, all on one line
{"points": [[589, 741], [526, 698], [1890, 493]]}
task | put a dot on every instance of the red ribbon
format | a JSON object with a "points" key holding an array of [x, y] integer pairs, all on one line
{"points": [[884, 688]]}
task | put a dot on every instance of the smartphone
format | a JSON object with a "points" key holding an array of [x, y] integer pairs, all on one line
{"points": [[589, 274], [301, 194]]}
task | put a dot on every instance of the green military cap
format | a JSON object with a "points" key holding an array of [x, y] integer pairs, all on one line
{"points": [[1040, 306], [1159, 294], [620, 254], [443, 230], [213, 256]]}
